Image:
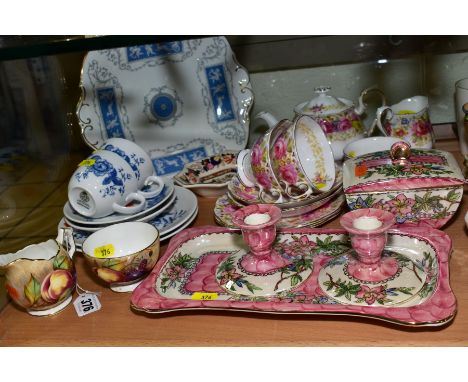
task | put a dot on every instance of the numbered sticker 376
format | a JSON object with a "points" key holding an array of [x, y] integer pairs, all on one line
{"points": [[86, 303]]}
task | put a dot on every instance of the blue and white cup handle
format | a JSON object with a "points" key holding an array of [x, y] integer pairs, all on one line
{"points": [[157, 185], [129, 210]]}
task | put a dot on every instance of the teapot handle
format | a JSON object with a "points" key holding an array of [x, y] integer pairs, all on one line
{"points": [[361, 107], [65, 239]]}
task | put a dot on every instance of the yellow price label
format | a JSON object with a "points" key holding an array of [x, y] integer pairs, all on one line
{"points": [[87, 162], [204, 296], [104, 251]]}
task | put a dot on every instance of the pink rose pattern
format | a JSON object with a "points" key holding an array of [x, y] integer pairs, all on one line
{"points": [[417, 129], [261, 167], [288, 173], [264, 180], [341, 123], [280, 148], [256, 155]]}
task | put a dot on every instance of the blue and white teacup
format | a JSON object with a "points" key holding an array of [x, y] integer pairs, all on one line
{"points": [[139, 161], [105, 183]]}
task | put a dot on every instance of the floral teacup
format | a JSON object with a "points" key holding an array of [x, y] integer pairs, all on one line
{"points": [[41, 278], [302, 159], [408, 120], [254, 166]]}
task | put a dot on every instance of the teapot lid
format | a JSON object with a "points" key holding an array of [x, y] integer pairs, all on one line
{"points": [[323, 103]]}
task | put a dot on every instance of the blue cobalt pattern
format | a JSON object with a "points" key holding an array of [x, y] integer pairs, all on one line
{"points": [[219, 93], [113, 178], [142, 52], [133, 160], [110, 113], [163, 221], [151, 202], [175, 162], [163, 106]]}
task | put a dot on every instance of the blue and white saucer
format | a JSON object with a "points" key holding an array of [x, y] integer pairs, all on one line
{"points": [[152, 204], [144, 218], [181, 213]]}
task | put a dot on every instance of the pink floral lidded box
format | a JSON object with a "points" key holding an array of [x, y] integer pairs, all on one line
{"points": [[417, 186]]}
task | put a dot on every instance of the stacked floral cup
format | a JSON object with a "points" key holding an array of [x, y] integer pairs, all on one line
{"points": [[292, 167]]}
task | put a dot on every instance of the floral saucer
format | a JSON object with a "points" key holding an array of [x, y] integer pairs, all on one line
{"points": [[208, 176], [181, 213], [185, 277], [339, 284], [152, 204], [225, 206], [180, 101]]}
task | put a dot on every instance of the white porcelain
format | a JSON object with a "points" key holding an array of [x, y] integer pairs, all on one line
{"points": [[127, 238], [181, 226], [180, 101], [145, 218], [408, 120], [339, 118], [461, 110], [244, 168], [181, 213], [139, 161], [324, 104], [104, 186], [150, 206], [368, 145]]}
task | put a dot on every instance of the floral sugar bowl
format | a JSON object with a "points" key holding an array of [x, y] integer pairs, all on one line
{"points": [[417, 186]]}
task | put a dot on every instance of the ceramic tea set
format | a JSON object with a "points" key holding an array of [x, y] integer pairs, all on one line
{"points": [[118, 212]]}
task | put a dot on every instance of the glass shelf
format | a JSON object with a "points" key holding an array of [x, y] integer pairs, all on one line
{"points": [[17, 47]]}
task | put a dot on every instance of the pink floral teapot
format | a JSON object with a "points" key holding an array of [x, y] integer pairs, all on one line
{"points": [[339, 118]]}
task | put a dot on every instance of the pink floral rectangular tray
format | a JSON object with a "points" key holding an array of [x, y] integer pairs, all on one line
{"points": [[193, 272]]}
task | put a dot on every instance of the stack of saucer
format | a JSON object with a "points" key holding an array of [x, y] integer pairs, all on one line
{"points": [[313, 211], [170, 212]]}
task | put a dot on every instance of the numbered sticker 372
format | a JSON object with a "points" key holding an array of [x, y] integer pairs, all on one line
{"points": [[86, 303]]}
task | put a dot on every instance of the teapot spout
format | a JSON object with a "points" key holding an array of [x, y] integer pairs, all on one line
{"points": [[361, 107], [269, 118]]}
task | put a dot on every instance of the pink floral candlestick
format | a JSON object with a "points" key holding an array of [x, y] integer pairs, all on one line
{"points": [[368, 230], [258, 225]]}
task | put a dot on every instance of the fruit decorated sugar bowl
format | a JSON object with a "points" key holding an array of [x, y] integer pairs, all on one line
{"points": [[339, 118], [41, 277], [122, 254], [419, 186]]}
